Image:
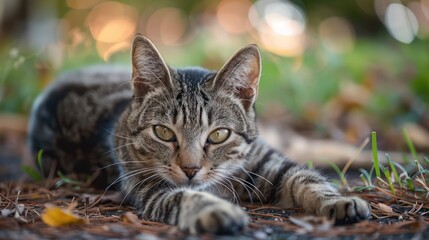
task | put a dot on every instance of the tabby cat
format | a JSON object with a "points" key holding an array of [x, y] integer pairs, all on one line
{"points": [[182, 144]]}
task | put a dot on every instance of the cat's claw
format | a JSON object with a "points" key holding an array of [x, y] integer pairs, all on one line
{"points": [[346, 210], [219, 219]]}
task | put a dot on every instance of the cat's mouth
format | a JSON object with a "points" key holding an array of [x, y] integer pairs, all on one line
{"points": [[192, 183], [181, 181]]}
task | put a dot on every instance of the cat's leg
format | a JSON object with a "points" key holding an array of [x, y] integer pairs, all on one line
{"points": [[193, 211], [306, 188], [288, 184]]}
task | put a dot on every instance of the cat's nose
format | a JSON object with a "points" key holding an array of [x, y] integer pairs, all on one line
{"points": [[190, 172]]}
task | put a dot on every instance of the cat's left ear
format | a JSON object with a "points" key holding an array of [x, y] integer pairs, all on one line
{"points": [[149, 69], [241, 74]]}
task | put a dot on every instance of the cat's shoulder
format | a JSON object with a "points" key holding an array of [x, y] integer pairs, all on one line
{"points": [[98, 79], [95, 74]]}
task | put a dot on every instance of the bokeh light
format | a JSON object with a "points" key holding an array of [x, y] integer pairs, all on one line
{"points": [[111, 24], [337, 34], [421, 11], [401, 22], [232, 15], [167, 25], [281, 26]]}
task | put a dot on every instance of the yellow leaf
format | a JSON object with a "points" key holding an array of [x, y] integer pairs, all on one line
{"points": [[383, 207], [130, 217], [56, 217]]}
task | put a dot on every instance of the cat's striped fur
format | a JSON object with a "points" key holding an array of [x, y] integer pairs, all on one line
{"points": [[90, 120]]}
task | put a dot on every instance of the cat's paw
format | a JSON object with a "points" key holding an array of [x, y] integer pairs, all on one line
{"points": [[346, 210], [222, 218]]}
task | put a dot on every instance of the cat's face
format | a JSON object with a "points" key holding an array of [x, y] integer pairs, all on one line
{"points": [[190, 127]]}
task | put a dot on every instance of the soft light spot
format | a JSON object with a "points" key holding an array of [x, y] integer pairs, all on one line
{"points": [[167, 25], [232, 15], [422, 14], [337, 34], [280, 26], [401, 23], [112, 22]]}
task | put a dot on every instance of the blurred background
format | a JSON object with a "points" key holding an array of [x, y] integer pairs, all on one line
{"points": [[333, 71]]}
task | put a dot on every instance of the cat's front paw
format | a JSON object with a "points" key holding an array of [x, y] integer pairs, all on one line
{"points": [[222, 218], [346, 210]]}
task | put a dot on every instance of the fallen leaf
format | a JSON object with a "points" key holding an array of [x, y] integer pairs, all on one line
{"points": [[383, 207], [312, 223], [130, 217], [56, 217]]}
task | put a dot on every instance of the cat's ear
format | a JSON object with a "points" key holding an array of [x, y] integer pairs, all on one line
{"points": [[149, 69], [241, 74]]}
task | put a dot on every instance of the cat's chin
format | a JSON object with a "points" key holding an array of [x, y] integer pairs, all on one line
{"points": [[197, 185]]}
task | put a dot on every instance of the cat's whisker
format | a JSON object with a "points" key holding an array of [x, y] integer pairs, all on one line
{"points": [[126, 195], [116, 148], [123, 163], [252, 187], [114, 134], [246, 185], [220, 181], [230, 188], [139, 183], [250, 172], [217, 188], [128, 175], [124, 83], [245, 188]]}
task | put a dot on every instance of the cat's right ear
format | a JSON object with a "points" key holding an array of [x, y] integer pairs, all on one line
{"points": [[149, 69]]}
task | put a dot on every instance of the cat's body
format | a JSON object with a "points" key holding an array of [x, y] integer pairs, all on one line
{"points": [[178, 142]]}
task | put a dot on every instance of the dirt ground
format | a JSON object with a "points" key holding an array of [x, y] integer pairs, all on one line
{"points": [[102, 216]]}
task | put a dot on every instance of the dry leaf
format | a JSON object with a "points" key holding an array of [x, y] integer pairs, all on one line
{"points": [[56, 217], [130, 217], [312, 223], [383, 207]]}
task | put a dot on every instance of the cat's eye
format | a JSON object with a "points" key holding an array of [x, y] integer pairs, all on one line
{"points": [[164, 133], [219, 135]]}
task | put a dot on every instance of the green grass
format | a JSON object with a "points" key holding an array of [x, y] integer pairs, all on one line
{"points": [[409, 144], [375, 154], [408, 176], [340, 173], [32, 172], [395, 172], [37, 174]]}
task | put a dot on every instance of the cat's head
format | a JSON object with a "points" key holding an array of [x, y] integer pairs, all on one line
{"points": [[190, 127]]}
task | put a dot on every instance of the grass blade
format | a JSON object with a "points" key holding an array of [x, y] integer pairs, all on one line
{"points": [[364, 180], [340, 174], [32, 173], [410, 184], [389, 180], [410, 144], [366, 175], [375, 154], [39, 162], [39, 158], [395, 173]]}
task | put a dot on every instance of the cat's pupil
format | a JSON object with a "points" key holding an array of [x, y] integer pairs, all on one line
{"points": [[219, 136], [164, 133]]}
